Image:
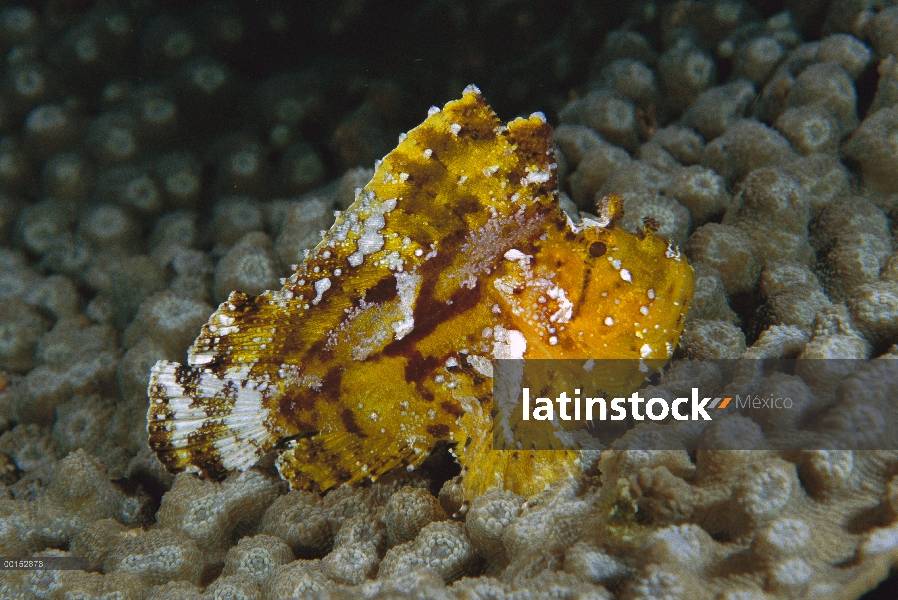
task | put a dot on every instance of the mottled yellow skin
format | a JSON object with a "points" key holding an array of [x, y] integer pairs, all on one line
{"points": [[379, 345]]}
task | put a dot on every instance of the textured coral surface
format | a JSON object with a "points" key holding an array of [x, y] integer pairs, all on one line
{"points": [[155, 156]]}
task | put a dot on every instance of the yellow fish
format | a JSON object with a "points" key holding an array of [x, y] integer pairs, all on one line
{"points": [[380, 344]]}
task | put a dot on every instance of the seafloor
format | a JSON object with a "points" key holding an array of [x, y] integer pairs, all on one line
{"points": [[156, 155]]}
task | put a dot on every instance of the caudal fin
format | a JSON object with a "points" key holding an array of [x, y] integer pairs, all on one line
{"points": [[206, 421]]}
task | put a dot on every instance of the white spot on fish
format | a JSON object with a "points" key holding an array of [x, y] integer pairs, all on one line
{"points": [[509, 343], [321, 286], [536, 177]]}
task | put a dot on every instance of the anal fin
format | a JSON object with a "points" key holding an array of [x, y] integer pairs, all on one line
{"points": [[323, 461]]}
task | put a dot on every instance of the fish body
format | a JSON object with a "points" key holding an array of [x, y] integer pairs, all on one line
{"points": [[380, 344]]}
